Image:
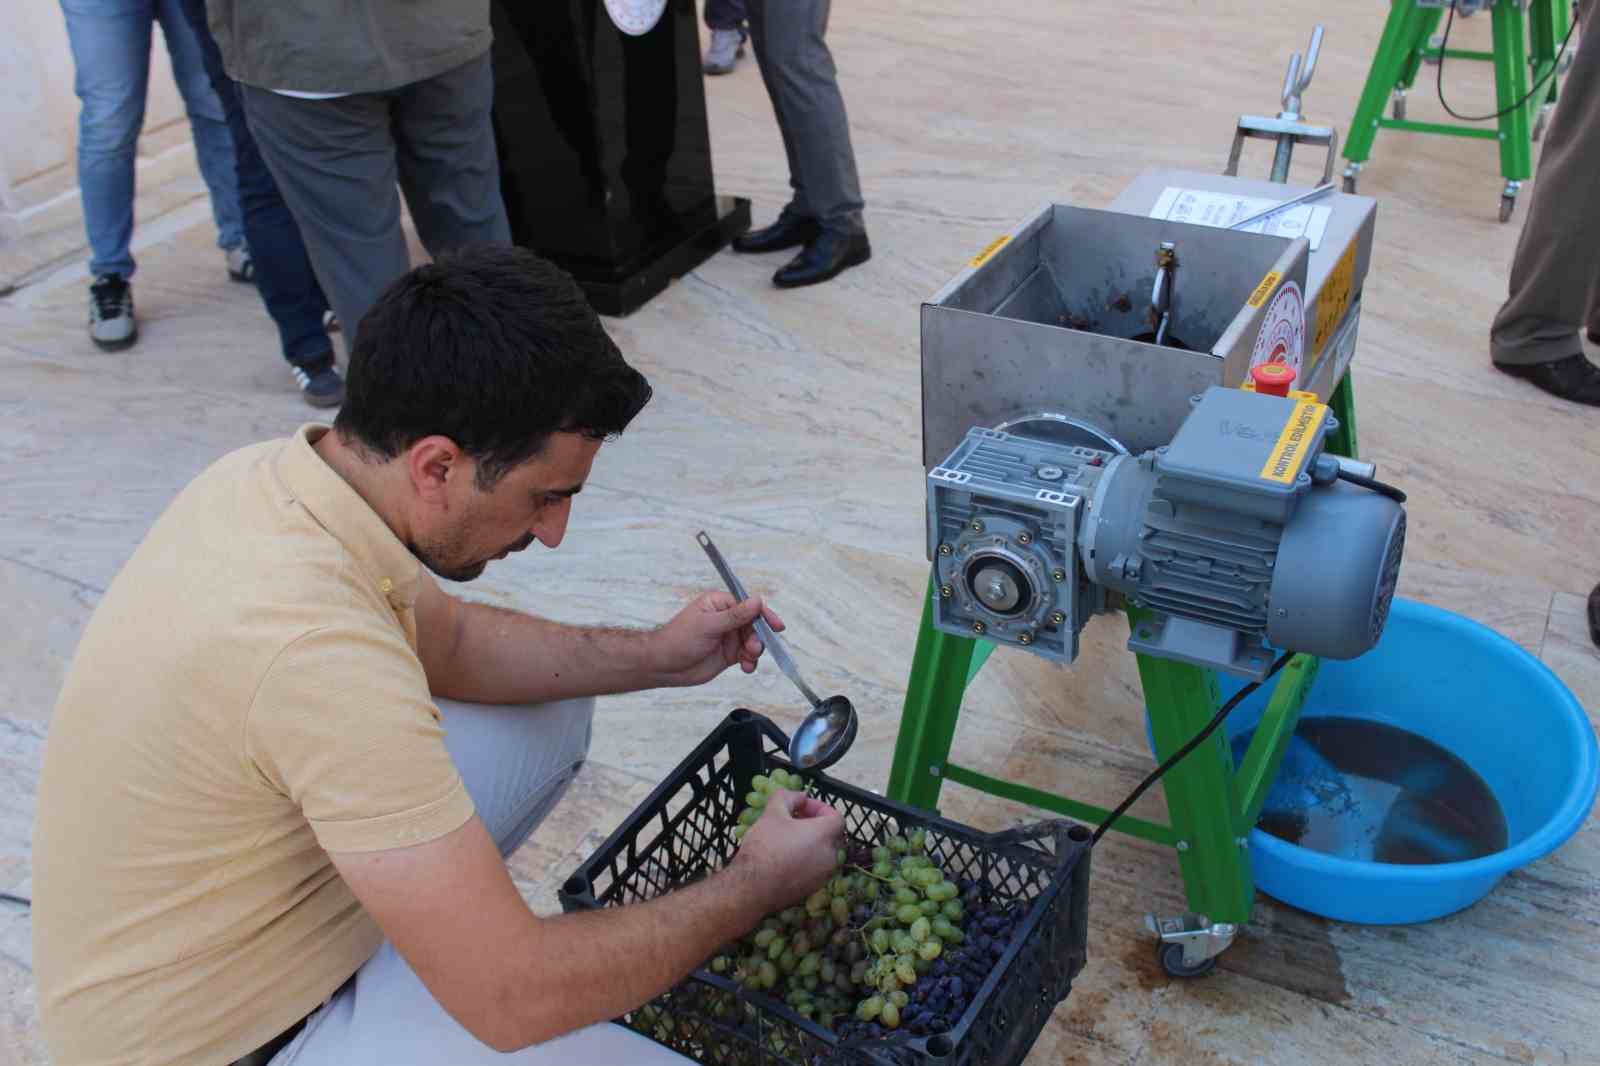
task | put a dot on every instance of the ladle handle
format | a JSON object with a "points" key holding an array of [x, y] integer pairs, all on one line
{"points": [[774, 643]]}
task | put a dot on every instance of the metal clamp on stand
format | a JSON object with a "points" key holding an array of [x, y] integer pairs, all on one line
{"points": [[1288, 129], [1190, 944]]}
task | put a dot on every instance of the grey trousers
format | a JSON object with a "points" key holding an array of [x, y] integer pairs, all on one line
{"points": [[337, 163], [516, 763], [1555, 275], [803, 85]]}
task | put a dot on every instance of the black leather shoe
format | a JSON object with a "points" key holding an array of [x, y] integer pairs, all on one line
{"points": [[790, 231], [1594, 616], [1573, 378], [824, 257]]}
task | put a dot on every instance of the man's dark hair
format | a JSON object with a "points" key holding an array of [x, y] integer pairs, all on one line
{"points": [[490, 346]]}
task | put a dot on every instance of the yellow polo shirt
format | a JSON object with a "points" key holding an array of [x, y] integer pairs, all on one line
{"points": [[246, 695]]}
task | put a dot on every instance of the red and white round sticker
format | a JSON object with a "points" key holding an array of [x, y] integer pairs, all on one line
{"points": [[635, 17], [1283, 331]]}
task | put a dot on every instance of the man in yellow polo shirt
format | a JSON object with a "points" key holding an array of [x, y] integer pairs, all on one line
{"points": [[269, 829]]}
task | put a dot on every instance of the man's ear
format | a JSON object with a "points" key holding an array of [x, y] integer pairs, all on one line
{"points": [[431, 462]]}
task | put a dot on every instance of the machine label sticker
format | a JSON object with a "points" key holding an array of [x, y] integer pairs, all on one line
{"points": [[1283, 331], [1289, 453], [989, 250], [1264, 290], [1333, 302], [1205, 207]]}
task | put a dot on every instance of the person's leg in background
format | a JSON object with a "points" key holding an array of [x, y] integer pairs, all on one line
{"points": [[213, 145], [517, 762], [283, 272], [334, 163], [726, 21], [110, 42], [802, 81], [444, 148], [1555, 275]]}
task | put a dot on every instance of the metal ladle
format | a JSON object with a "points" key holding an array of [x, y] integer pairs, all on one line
{"points": [[830, 728]]}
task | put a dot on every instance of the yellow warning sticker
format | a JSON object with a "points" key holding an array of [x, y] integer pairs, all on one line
{"points": [[991, 248], [1288, 455], [1333, 301], [1264, 290]]}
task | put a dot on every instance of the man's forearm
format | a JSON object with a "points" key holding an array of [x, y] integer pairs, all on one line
{"points": [[502, 656], [593, 966]]}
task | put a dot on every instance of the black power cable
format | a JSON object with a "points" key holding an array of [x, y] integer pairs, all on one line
{"points": [[1374, 484], [1444, 43], [9, 898], [1176, 757]]}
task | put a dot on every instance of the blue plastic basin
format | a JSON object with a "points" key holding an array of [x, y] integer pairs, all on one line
{"points": [[1483, 699]]}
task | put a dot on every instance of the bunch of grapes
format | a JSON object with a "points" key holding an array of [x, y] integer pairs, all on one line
{"points": [[888, 943]]}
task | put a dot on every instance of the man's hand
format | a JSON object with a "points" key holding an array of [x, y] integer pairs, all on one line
{"points": [[709, 635], [791, 850]]}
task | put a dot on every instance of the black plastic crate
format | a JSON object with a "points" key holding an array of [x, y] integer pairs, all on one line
{"points": [[684, 831]]}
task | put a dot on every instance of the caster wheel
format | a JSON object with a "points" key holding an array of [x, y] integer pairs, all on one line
{"points": [[1508, 205], [1349, 183], [1400, 107], [1171, 958]]}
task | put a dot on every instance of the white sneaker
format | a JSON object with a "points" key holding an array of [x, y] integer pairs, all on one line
{"points": [[241, 267], [724, 52], [112, 326]]}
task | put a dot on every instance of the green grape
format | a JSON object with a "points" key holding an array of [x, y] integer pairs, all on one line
{"points": [[888, 982], [880, 854], [902, 943], [905, 896], [800, 943], [883, 869], [889, 1015], [809, 964], [930, 907], [870, 1008], [739, 831], [907, 913], [920, 964], [766, 937], [719, 964], [942, 891], [788, 961], [809, 981], [897, 844], [758, 800], [951, 908], [880, 940], [816, 902], [826, 971], [921, 929], [899, 998], [929, 950], [776, 947], [806, 1010], [768, 974], [906, 971], [840, 909], [919, 839], [868, 890], [942, 927], [761, 783], [792, 915], [748, 816], [840, 937]]}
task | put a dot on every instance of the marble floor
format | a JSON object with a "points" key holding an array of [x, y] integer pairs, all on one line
{"points": [[788, 425]]}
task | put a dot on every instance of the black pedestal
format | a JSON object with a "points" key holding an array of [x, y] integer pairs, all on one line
{"points": [[605, 158]]}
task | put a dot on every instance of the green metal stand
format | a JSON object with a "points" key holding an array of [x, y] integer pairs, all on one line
{"points": [[1524, 51], [1211, 804]]}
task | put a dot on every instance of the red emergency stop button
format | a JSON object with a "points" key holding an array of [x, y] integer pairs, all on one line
{"points": [[1272, 379]]}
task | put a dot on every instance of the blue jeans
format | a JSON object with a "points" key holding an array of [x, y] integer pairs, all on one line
{"points": [[284, 277], [111, 50]]}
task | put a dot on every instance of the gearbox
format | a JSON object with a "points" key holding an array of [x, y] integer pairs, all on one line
{"points": [[1239, 536]]}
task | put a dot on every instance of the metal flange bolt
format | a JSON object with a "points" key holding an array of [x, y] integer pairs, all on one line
{"points": [[1058, 574], [1024, 538], [1025, 638], [946, 591], [945, 549], [979, 628], [977, 526], [1057, 617]]}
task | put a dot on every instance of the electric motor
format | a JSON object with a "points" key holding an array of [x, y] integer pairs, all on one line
{"points": [[1240, 536]]}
